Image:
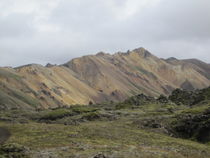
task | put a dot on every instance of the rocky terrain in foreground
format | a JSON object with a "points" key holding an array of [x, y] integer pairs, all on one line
{"points": [[138, 127]]}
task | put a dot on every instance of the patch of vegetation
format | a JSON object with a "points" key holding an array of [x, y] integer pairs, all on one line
{"points": [[13, 150], [25, 98], [7, 74], [83, 109], [56, 114], [206, 92], [179, 97], [196, 109], [91, 116], [141, 126], [113, 139], [163, 99], [75, 113], [137, 100], [185, 97]]}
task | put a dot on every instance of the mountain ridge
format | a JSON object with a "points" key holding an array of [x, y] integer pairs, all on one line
{"points": [[101, 77]]}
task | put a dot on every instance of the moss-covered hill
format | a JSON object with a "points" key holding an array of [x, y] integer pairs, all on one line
{"points": [[139, 127]]}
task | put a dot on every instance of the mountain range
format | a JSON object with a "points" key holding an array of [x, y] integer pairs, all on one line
{"points": [[99, 78]]}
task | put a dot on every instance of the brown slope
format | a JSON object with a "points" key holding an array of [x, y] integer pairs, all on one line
{"points": [[135, 72], [49, 87], [194, 66], [56, 85], [200, 66], [99, 78]]}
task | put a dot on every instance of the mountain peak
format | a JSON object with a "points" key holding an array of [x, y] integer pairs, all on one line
{"points": [[139, 51], [172, 59], [50, 65], [142, 52], [101, 54]]}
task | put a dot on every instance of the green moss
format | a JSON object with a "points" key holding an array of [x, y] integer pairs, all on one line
{"points": [[195, 109], [123, 106], [136, 101], [206, 93], [8, 102], [4, 73], [56, 114], [13, 150], [91, 116], [82, 109], [25, 98]]}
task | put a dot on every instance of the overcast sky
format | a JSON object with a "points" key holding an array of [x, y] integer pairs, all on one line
{"points": [[55, 31]]}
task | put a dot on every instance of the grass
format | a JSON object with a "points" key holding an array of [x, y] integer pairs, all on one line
{"points": [[83, 109], [4, 73], [25, 98], [114, 132], [196, 109], [12, 98], [56, 114], [107, 137]]}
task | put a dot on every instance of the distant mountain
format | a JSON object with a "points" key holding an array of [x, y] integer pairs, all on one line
{"points": [[99, 78]]}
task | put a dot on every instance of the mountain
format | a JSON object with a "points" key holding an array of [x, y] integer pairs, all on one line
{"points": [[99, 78]]}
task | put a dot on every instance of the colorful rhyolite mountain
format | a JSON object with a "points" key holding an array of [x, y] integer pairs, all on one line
{"points": [[99, 78]]}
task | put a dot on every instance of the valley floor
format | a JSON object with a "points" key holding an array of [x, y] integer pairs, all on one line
{"points": [[99, 131]]}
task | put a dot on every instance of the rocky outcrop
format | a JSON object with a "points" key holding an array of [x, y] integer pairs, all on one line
{"points": [[193, 126], [185, 97]]}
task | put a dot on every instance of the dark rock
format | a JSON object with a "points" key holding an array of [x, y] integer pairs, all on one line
{"points": [[100, 156], [50, 65], [163, 99], [42, 98], [90, 103], [196, 127], [46, 92], [139, 100], [185, 97]]}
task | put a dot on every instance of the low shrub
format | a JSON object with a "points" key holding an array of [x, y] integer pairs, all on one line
{"points": [[56, 114]]}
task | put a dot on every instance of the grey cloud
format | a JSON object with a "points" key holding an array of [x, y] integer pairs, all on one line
{"points": [[179, 28], [15, 25]]}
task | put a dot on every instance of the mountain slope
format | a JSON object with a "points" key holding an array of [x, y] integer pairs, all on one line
{"points": [[99, 78], [136, 71]]}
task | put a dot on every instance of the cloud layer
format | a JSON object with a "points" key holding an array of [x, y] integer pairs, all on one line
{"points": [[41, 31]]}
